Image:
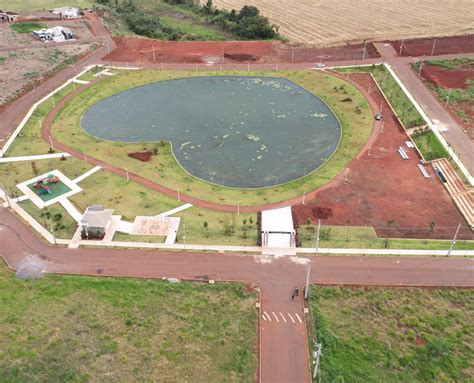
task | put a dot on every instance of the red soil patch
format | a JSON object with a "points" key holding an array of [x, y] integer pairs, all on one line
{"points": [[447, 78], [444, 45], [141, 156], [137, 50], [382, 187]]}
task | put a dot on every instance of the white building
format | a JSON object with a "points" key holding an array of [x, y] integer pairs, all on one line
{"points": [[56, 34], [67, 12]]}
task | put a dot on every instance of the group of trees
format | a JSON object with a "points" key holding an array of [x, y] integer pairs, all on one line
{"points": [[246, 24]]}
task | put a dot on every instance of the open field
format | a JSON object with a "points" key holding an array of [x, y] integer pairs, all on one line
{"points": [[164, 169], [77, 329], [340, 21], [429, 146], [394, 335], [444, 45], [385, 192], [453, 83], [39, 5], [25, 61]]}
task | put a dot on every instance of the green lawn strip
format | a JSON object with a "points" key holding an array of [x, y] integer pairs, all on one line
{"points": [[75, 329], [27, 27], [54, 216], [453, 64], [429, 145], [355, 116], [394, 335], [402, 105], [192, 28], [366, 238], [130, 199], [222, 228], [29, 141], [122, 237]]}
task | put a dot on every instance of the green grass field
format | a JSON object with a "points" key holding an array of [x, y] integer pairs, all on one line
{"points": [[164, 169], [27, 27], [39, 5], [365, 237], [403, 107], [429, 146], [394, 335], [79, 329]]}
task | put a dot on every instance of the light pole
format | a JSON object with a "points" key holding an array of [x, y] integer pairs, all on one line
{"points": [[304, 196], [128, 176], [177, 190], [433, 49], [238, 207], [365, 49], [447, 98], [306, 290], [347, 173], [317, 237], [454, 241], [401, 47]]}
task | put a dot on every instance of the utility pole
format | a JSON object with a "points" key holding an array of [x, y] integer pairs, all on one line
{"points": [[447, 98], [454, 241], [401, 47], [421, 66], [177, 190], [345, 177], [154, 56], [365, 49], [316, 356], [184, 235], [238, 207], [317, 237], [128, 176], [306, 290], [304, 195], [433, 49], [292, 55]]}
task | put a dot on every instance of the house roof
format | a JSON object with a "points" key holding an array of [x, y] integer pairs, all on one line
{"points": [[64, 9], [97, 216]]}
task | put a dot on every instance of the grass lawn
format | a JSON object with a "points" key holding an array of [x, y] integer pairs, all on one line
{"points": [[78, 329], [29, 141], [366, 237], [27, 27], [355, 117], [122, 237], [54, 215], [429, 146], [394, 335], [39, 5], [403, 107]]}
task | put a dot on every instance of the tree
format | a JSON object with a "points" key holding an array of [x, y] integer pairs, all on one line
{"points": [[248, 11]]}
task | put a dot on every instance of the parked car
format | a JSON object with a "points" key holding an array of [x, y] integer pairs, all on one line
{"points": [[320, 65], [378, 116]]}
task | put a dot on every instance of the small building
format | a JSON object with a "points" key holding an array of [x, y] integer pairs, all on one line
{"points": [[67, 12], [9, 17], [56, 34], [95, 222]]}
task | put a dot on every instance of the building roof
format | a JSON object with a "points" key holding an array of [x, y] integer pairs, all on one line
{"points": [[97, 216], [65, 9], [278, 220]]}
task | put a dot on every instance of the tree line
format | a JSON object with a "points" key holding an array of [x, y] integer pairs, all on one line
{"points": [[246, 24]]}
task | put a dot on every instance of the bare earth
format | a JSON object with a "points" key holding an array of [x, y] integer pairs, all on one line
{"points": [[26, 59], [324, 23]]}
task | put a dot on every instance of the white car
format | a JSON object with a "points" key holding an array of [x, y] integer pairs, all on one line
{"points": [[320, 65]]}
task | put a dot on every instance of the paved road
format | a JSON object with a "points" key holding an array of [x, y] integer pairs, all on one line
{"points": [[448, 126], [284, 355]]}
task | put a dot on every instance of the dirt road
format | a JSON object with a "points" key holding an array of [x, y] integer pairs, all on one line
{"points": [[447, 125], [284, 355]]}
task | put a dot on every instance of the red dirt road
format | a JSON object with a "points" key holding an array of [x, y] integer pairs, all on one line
{"points": [[382, 187], [443, 45], [284, 355], [142, 51]]}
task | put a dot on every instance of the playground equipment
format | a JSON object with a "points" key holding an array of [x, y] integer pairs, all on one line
{"points": [[43, 184]]}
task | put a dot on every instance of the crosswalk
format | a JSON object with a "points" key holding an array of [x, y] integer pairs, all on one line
{"points": [[279, 317]]}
